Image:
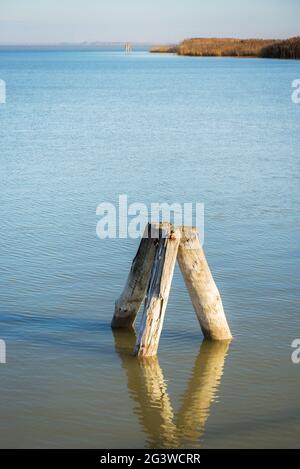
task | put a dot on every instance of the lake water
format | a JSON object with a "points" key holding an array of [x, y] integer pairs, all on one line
{"points": [[82, 127]]}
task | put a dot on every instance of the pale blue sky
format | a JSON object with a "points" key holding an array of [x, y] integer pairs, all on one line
{"points": [[50, 21]]}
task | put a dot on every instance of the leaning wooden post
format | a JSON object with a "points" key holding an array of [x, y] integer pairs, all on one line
{"points": [[158, 291], [201, 286], [128, 305]]}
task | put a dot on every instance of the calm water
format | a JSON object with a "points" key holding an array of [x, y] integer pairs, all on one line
{"points": [[81, 127]]}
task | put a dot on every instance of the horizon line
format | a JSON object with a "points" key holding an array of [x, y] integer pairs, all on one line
{"points": [[136, 42]]}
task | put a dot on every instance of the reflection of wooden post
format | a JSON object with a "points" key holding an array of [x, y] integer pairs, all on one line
{"points": [[146, 385], [201, 286], [153, 407], [201, 391], [158, 292], [157, 397], [128, 305]]}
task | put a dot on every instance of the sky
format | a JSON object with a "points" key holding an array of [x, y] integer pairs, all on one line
{"points": [[154, 21]]}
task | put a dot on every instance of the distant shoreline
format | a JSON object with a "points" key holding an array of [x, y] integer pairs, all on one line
{"points": [[80, 45], [230, 47], [195, 47]]}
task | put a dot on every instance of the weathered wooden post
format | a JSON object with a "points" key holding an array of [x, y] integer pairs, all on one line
{"points": [[203, 291], [158, 291], [151, 275], [128, 305]]}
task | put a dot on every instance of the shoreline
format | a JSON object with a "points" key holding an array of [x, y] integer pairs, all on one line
{"points": [[235, 48]]}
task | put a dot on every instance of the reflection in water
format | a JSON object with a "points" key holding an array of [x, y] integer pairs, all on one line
{"points": [[148, 389], [201, 391]]}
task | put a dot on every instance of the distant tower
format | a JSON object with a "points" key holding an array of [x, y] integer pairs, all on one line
{"points": [[128, 48]]}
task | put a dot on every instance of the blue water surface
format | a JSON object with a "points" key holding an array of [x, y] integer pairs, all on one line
{"points": [[80, 127]]}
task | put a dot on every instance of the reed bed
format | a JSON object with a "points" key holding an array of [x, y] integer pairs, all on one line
{"points": [[231, 47]]}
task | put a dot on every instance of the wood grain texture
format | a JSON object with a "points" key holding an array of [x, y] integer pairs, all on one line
{"points": [[203, 291], [128, 304], [158, 291]]}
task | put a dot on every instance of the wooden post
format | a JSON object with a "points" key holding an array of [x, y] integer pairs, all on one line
{"points": [[152, 272], [158, 291], [201, 286], [128, 305]]}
